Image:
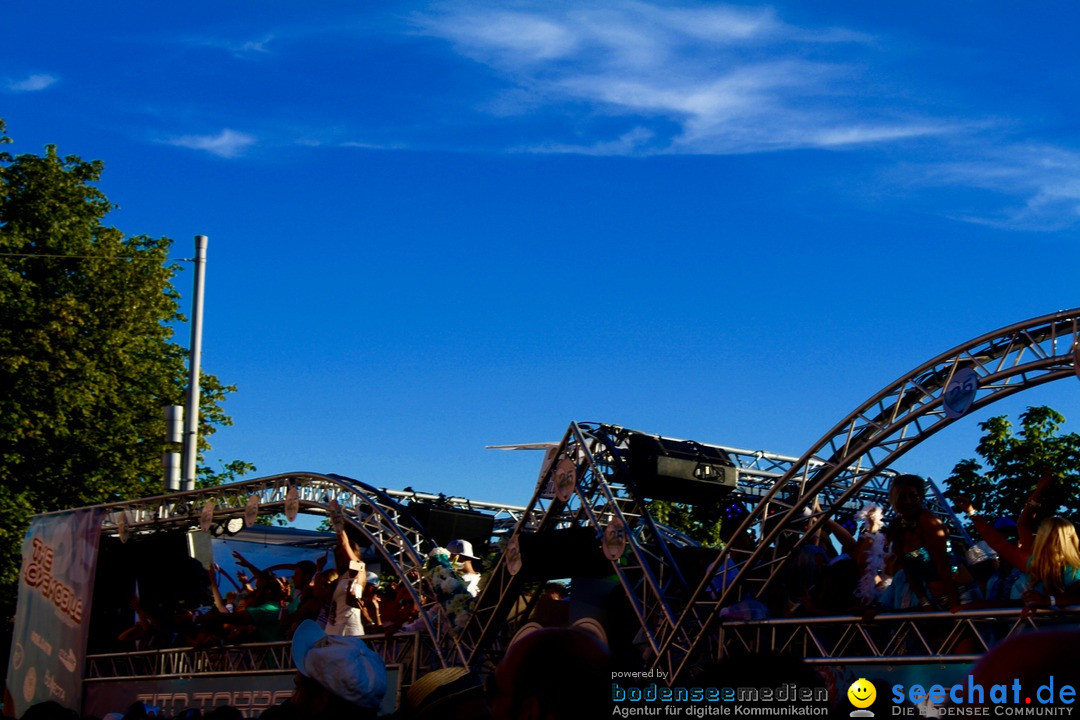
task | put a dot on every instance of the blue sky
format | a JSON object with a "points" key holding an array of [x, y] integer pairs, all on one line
{"points": [[439, 226]]}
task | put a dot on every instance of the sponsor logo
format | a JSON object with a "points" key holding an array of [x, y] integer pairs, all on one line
{"points": [[17, 656], [67, 658], [38, 574], [29, 686], [55, 689], [44, 645]]}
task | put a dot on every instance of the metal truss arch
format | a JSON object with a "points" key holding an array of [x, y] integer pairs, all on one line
{"points": [[385, 523], [857, 452]]}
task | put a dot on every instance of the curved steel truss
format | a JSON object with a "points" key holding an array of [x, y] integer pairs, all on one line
{"points": [[386, 525], [857, 452]]}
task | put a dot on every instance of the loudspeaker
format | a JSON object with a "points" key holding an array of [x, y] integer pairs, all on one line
{"points": [[445, 524], [680, 470]]}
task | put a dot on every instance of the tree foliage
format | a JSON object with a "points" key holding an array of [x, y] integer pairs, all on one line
{"points": [[703, 522], [1013, 463], [87, 356]]}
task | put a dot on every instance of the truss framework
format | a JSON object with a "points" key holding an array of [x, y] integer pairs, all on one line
{"points": [[889, 639], [588, 485], [385, 524], [404, 649], [859, 449]]}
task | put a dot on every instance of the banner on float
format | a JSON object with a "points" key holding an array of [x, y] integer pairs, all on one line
{"points": [[48, 645], [251, 693]]}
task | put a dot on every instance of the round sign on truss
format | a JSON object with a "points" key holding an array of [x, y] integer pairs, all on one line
{"points": [[337, 516], [513, 556], [960, 392], [251, 510], [122, 525], [565, 479], [206, 516], [614, 539], [292, 504]]}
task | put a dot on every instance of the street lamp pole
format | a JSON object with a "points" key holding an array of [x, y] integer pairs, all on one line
{"points": [[191, 414]]}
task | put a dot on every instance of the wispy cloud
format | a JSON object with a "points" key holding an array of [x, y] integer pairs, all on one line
{"points": [[700, 80], [226, 144], [237, 48], [1045, 178], [33, 83]]}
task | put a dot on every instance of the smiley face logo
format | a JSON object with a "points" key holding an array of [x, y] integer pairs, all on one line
{"points": [[862, 693]]}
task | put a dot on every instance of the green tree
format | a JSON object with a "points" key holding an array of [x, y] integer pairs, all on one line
{"points": [[87, 356], [701, 521], [1014, 461]]}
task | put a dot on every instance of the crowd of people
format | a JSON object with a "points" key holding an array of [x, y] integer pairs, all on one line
{"points": [[346, 599], [905, 563], [910, 564]]}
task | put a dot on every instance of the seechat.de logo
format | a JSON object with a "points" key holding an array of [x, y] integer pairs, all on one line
{"points": [[862, 695]]}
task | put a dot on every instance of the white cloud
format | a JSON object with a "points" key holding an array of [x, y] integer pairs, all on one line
{"points": [[635, 142], [226, 144], [236, 48], [712, 80], [33, 83], [1047, 179]]}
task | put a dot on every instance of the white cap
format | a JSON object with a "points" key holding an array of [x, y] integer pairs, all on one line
{"points": [[462, 548]]}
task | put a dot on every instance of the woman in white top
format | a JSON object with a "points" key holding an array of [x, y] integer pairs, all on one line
{"points": [[345, 612]]}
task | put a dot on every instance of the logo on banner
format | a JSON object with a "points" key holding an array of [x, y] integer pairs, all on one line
{"points": [[18, 656], [54, 688], [44, 645], [29, 685], [38, 574], [67, 659]]}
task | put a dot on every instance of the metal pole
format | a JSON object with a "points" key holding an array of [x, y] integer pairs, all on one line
{"points": [[174, 436], [191, 414]]}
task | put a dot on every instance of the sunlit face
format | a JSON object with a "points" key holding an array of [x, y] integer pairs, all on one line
{"points": [[862, 693]]}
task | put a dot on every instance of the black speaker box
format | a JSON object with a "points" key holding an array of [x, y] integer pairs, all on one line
{"points": [[680, 470], [445, 524]]}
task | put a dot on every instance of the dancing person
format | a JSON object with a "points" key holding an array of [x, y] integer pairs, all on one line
{"points": [[1051, 562], [461, 554], [917, 540], [346, 615]]}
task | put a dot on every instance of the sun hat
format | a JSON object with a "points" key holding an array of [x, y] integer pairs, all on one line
{"points": [[462, 548], [436, 691], [345, 666]]}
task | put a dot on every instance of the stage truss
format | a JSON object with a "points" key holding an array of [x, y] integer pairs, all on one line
{"points": [[587, 484], [858, 450], [385, 524]]}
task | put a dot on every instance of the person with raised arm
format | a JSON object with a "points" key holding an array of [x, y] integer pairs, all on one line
{"points": [[346, 603], [1050, 561]]}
